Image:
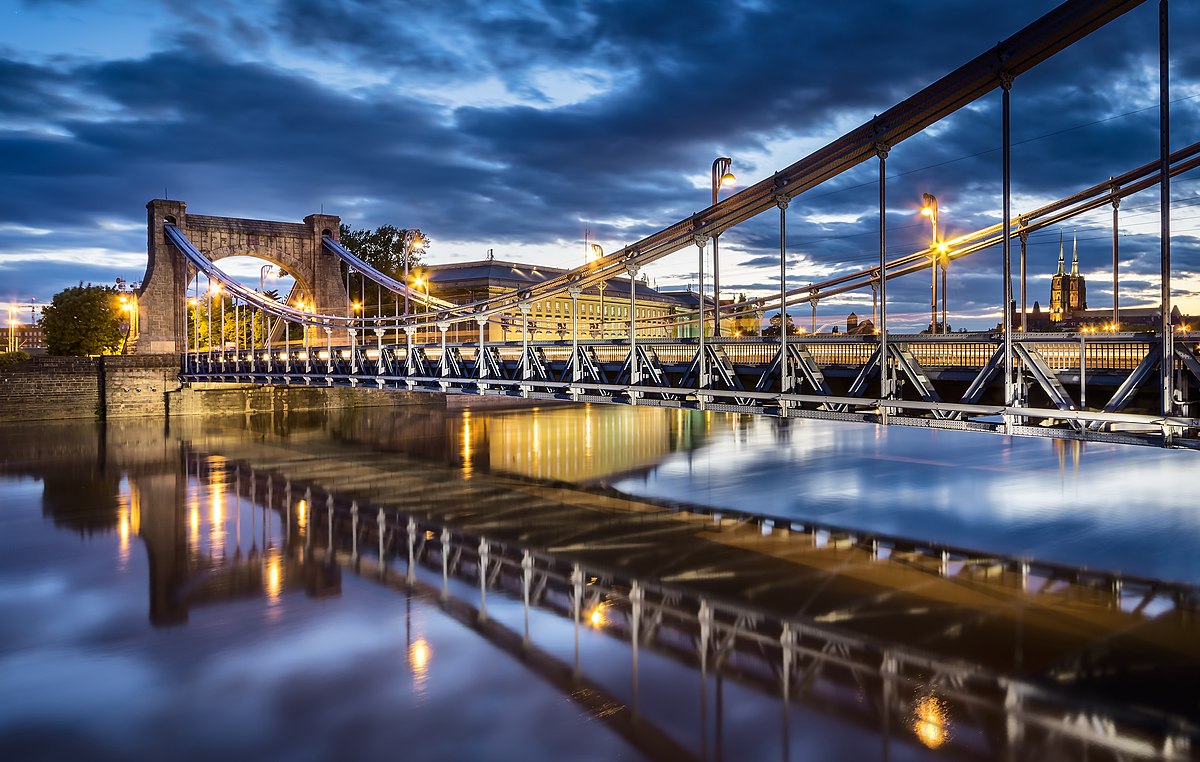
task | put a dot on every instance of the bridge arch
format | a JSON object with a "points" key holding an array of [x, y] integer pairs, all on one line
{"points": [[294, 246]]}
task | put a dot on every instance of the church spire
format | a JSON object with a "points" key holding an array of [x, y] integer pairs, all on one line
{"points": [[1075, 253], [1061, 271]]}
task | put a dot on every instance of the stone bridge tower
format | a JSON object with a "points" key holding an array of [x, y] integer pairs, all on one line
{"points": [[295, 247]]}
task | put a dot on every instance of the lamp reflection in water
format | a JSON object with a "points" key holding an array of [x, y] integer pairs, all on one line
{"points": [[273, 577], [129, 521], [419, 654], [302, 515], [466, 444], [931, 721]]}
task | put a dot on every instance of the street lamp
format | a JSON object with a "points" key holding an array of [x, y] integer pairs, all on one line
{"points": [[721, 176], [412, 240], [929, 208]]}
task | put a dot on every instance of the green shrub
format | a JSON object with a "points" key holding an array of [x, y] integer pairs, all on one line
{"points": [[12, 358]]}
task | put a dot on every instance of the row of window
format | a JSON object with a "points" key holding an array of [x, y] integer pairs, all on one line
{"points": [[610, 310]]}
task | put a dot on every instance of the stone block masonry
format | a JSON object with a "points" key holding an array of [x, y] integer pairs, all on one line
{"points": [[140, 386]]}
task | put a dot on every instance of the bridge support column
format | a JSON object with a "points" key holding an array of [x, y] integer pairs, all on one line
{"points": [[1006, 82], [162, 296], [785, 379], [1167, 364], [330, 296], [885, 360], [1116, 320]]}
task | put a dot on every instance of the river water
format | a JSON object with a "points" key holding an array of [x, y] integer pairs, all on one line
{"points": [[225, 588]]}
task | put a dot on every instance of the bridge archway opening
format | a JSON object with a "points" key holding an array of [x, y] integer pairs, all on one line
{"points": [[240, 248]]}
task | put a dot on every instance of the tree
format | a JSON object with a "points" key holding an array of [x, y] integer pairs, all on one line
{"points": [[774, 329], [384, 249], [83, 320]]}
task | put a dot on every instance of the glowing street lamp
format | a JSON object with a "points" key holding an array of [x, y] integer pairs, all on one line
{"points": [[721, 177], [412, 240], [929, 208]]}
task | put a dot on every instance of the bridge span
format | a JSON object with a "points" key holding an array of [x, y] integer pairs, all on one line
{"points": [[1141, 388]]}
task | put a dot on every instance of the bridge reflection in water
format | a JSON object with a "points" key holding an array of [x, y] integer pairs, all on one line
{"points": [[914, 645]]}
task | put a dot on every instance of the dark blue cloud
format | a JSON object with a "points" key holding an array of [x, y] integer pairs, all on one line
{"points": [[492, 125]]}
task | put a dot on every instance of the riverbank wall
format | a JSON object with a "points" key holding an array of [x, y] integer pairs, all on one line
{"points": [[139, 386]]}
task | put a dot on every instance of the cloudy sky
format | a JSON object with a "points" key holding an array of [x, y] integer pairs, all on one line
{"points": [[514, 125]]}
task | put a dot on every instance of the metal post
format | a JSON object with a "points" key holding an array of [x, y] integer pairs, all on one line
{"points": [[933, 259], [353, 347], [1023, 234], [574, 292], [524, 308], [409, 330], [885, 380], [1116, 202], [379, 350], [716, 288], [404, 244], [813, 302], [601, 287], [480, 365], [329, 349], [208, 309], [1082, 371], [785, 380], [1006, 82], [443, 326], [701, 375], [307, 351], [1167, 363], [634, 376], [945, 263]]}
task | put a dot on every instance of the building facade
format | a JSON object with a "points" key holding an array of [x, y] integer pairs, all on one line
{"points": [[603, 310]]}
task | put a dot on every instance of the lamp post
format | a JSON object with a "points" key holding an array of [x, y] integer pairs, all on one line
{"points": [[929, 208], [412, 240], [720, 176], [943, 253]]}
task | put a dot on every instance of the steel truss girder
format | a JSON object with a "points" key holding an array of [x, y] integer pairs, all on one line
{"points": [[375, 366]]}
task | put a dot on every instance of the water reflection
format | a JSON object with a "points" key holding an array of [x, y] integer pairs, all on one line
{"points": [[674, 630]]}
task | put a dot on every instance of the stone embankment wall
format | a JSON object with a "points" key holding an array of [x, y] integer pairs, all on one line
{"points": [[57, 388]]}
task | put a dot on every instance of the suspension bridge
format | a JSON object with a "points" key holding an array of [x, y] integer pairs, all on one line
{"points": [[1125, 387]]}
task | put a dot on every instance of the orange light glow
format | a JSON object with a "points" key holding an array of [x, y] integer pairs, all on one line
{"points": [[597, 617], [931, 722]]}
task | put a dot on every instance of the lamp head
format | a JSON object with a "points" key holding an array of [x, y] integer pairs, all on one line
{"points": [[727, 180]]}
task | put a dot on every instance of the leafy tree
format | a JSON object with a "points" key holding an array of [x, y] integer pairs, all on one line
{"points": [[774, 329], [83, 320], [384, 249]]}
